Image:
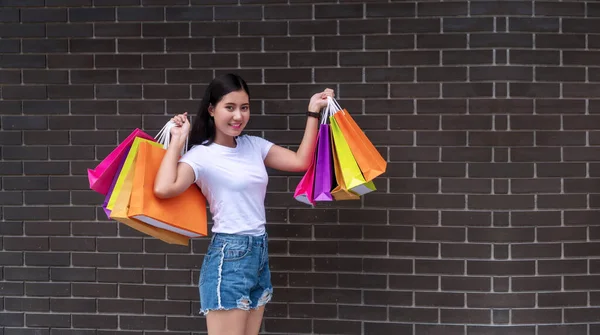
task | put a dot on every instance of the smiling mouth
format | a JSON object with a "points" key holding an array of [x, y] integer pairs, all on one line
{"points": [[236, 126]]}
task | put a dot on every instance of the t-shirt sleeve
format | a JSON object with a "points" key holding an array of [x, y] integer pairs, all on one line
{"points": [[193, 159], [262, 144]]}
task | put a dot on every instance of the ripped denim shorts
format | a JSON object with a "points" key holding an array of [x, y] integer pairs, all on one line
{"points": [[235, 273]]}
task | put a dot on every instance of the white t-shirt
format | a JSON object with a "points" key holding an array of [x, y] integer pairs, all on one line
{"points": [[234, 182]]}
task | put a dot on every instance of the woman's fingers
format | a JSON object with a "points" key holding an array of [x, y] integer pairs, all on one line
{"points": [[180, 119], [329, 92]]}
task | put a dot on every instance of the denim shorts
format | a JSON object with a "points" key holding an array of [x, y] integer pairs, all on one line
{"points": [[235, 273]]}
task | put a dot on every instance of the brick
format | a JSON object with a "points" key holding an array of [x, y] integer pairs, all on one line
{"points": [[442, 9], [119, 275], [94, 290], [12, 319], [143, 14], [210, 29], [521, 8], [548, 8], [238, 13], [118, 61], [264, 28], [142, 291], [10, 77], [48, 320], [282, 12], [227, 44], [22, 61], [115, 2], [120, 306], [48, 289], [64, 30], [321, 27], [74, 305], [460, 24], [25, 244], [417, 315], [45, 46], [12, 228], [16, 30], [9, 15], [27, 304], [10, 46], [188, 44], [91, 14], [43, 15], [95, 321], [126, 30]]}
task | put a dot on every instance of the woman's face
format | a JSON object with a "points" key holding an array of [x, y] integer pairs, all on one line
{"points": [[231, 116]]}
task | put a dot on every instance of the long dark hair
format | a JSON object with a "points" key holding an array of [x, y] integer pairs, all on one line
{"points": [[203, 127]]}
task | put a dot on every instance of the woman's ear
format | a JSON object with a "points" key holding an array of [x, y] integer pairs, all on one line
{"points": [[211, 110]]}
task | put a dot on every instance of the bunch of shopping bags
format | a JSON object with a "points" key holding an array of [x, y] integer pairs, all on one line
{"points": [[126, 179], [345, 161]]}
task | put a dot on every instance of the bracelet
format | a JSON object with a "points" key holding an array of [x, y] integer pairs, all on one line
{"points": [[313, 114]]}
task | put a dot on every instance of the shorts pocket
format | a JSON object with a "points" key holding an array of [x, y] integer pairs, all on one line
{"points": [[232, 251]]}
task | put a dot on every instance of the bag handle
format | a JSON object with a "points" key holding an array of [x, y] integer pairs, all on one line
{"points": [[332, 107], [164, 137], [325, 114], [333, 104]]}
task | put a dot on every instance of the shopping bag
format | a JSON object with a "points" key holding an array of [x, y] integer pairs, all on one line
{"points": [[184, 214], [101, 177], [128, 164], [339, 191], [112, 186], [305, 189], [370, 161], [323, 165], [121, 207], [351, 173]]}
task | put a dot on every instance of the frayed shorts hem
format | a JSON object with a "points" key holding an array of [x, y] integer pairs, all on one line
{"points": [[265, 299]]}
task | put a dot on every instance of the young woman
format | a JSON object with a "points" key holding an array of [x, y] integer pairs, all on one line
{"points": [[229, 168]]}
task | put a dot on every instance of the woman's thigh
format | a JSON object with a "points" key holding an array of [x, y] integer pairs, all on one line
{"points": [[227, 322]]}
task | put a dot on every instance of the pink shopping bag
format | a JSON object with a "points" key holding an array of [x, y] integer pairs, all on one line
{"points": [[304, 190], [101, 177]]}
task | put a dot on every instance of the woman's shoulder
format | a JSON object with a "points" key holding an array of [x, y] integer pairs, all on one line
{"points": [[254, 139]]}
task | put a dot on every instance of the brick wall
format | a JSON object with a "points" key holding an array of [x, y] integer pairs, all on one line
{"points": [[486, 221]]}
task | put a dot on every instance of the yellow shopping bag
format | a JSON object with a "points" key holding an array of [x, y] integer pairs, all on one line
{"points": [[128, 165], [349, 169], [339, 192], [121, 207]]}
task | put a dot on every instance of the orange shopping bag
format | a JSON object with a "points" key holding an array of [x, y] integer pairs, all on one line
{"points": [[370, 161], [121, 207], [184, 214]]}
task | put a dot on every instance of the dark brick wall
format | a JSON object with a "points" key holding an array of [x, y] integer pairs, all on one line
{"points": [[485, 223]]}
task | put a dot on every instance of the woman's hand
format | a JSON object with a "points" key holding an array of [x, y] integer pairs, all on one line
{"points": [[182, 126], [319, 100]]}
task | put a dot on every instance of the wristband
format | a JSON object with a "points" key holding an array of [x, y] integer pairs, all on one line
{"points": [[313, 114]]}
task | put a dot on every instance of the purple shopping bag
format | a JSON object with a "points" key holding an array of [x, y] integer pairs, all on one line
{"points": [[324, 165], [114, 181], [102, 176]]}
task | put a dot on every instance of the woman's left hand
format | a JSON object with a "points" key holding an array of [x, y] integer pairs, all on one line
{"points": [[319, 100]]}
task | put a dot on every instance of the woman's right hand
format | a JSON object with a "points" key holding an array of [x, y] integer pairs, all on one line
{"points": [[182, 126]]}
